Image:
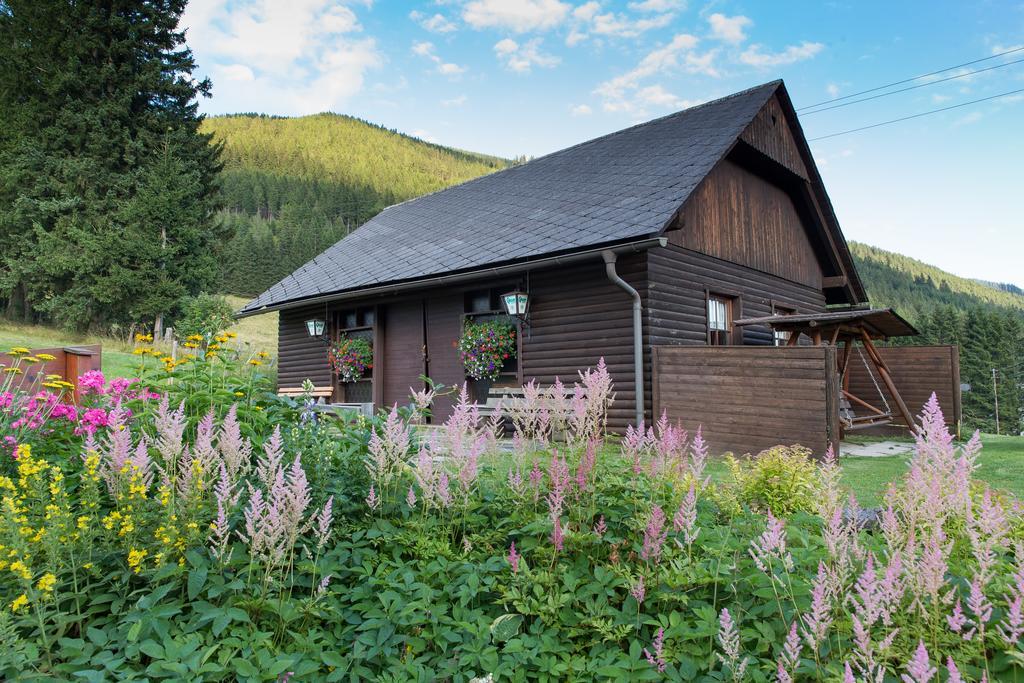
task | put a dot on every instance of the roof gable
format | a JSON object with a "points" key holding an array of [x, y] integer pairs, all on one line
{"points": [[619, 187]]}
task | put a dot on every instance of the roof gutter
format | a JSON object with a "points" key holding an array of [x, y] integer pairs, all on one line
{"points": [[455, 278]]}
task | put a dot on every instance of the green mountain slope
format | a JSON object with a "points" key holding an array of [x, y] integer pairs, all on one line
{"points": [[917, 289], [291, 187], [986, 322]]}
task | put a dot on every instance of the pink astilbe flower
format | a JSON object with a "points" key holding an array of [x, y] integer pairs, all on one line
{"points": [[444, 495], [558, 472], [321, 588], [981, 609], [698, 456], [954, 673], [586, 466], [421, 402], [513, 558], [638, 590], [957, 620], [220, 530], [657, 660], [930, 573], [771, 544], [685, 519], [410, 498], [790, 655], [818, 619], [601, 527], [848, 673], [371, 499], [269, 462], [536, 479], [515, 481], [322, 523], [874, 603], [919, 669], [388, 448], [235, 450], [634, 443], [654, 536], [1012, 626], [557, 535], [729, 642]]}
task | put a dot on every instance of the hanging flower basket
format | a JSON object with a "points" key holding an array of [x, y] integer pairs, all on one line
{"points": [[350, 358], [484, 347]]}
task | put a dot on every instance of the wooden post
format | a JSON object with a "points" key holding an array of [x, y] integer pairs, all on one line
{"points": [[883, 371]]}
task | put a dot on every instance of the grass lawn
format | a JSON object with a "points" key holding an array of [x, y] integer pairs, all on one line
{"points": [[1001, 464], [260, 331]]}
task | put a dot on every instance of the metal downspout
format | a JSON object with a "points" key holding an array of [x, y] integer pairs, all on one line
{"points": [[638, 337]]}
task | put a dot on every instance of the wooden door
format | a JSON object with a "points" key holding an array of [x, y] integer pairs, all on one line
{"points": [[404, 351], [444, 325]]}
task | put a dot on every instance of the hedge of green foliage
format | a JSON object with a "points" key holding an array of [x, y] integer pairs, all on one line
{"points": [[226, 548]]}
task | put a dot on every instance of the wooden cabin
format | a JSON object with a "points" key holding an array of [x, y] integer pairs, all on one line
{"points": [[699, 218]]}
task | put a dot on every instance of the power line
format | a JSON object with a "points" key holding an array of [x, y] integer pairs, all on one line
{"points": [[915, 78], [913, 87], [916, 116]]}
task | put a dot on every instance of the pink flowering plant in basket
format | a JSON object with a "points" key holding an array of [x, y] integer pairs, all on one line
{"points": [[350, 358]]}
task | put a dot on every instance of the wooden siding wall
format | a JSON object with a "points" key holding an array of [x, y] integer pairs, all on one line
{"points": [[444, 325], [403, 345], [917, 371], [300, 357], [577, 317], [770, 134], [70, 362], [680, 277], [749, 399], [740, 217]]}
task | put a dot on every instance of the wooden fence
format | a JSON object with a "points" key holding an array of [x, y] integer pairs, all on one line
{"points": [[917, 371], [70, 362], [749, 398]]}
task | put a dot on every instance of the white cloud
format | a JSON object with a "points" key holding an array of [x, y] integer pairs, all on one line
{"points": [[833, 90], [729, 29], [582, 110], [454, 102], [522, 58], [658, 5], [657, 96], [516, 15], [587, 19], [621, 93], [282, 57], [437, 23], [425, 49], [757, 57], [235, 72]]}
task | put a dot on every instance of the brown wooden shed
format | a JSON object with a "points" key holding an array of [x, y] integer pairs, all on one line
{"points": [[659, 235]]}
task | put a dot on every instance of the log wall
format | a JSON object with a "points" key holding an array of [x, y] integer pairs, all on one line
{"points": [[748, 399]]}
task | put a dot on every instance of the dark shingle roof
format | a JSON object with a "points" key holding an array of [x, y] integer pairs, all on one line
{"points": [[621, 186]]}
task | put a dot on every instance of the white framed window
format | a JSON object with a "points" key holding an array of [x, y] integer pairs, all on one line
{"points": [[719, 320], [782, 336]]}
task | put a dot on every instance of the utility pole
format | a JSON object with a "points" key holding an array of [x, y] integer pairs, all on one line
{"points": [[995, 395]]}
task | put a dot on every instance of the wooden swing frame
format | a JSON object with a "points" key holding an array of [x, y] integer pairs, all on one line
{"points": [[846, 328]]}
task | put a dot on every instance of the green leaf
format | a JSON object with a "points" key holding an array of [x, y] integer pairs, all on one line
{"points": [[196, 581], [506, 627]]}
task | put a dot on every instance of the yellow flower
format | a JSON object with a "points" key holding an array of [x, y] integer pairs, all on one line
{"points": [[18, 567], [263, 354], [46, 582], [231, 335], [239, 393], [87, 565], [19, 602], [137, 351], [211, 354], [135, 558], [13, 371], [30, 359], [255, 362], [18, 351]]}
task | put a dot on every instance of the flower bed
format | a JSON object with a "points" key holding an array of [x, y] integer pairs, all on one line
{"points": [[201, 541]]}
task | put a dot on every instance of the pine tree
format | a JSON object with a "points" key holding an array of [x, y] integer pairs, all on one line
{"points": [[107, 187]]}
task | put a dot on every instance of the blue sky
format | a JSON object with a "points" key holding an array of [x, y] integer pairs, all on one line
{"points": [[513, 77]]}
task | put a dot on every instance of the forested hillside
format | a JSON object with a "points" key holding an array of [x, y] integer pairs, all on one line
{"points": [[915, 288], [985, 321], [294, 186]]}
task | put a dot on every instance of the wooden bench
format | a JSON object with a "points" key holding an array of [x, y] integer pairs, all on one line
{"points": [[318, 392]]}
